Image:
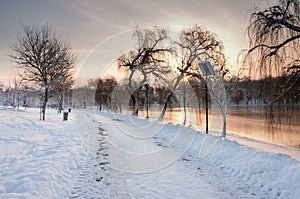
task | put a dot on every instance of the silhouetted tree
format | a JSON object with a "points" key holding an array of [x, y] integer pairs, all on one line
{"points": [[62, 90], [104, 91], [274, 35], [195, 44], [237, 96], [45, 59], [147, 59]]}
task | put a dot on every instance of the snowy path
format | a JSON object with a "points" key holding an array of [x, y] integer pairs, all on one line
{"points": [[88, 184], [187, 177], [97, 155]]}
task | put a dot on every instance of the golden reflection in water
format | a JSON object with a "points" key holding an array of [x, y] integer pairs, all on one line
{"points": [[248, 122]]}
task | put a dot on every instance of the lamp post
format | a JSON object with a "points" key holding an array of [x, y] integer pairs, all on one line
{"points": [[147, 98], [207, 69], [206, 105]]}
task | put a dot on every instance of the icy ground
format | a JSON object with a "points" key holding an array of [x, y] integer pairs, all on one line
{"points": [[101, 155]]}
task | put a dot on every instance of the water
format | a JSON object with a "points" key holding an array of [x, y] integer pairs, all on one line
{"points": [[247, 122]]}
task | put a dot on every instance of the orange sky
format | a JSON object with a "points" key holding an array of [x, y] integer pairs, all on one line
{"points": [[86, 24]]}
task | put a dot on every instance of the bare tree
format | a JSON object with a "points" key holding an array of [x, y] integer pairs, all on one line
{"points": [[274, 35], [18, 84], [195, 44], [8, 98], [45, 59], [147, 59], [62, 90], [104, 91]]}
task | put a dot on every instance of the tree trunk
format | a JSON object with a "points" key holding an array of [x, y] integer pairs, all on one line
{"points": [[24, 101], [60, 103], [161, 117], [44, 103], [100, 103], [224, 122], [108, 103], [199, 109], [135, 110], [147, 104], [18, 98], [184, 105]]}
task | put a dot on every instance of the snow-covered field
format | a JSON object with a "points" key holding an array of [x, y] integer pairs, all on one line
{"points": [[38, 159], [102, 155]]}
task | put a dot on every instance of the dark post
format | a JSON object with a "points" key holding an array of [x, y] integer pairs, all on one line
{"points": [[147, 98], [206, 106], [41, 108], [207, 69]]}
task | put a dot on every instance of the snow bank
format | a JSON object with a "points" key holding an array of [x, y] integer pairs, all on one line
{"points": [[41, 159], [278, 174], [273, 173], [38, 159]]}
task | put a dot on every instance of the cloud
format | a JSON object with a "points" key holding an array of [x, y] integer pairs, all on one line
{"points": [[86, 23]]}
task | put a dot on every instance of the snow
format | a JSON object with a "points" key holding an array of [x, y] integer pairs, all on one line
{"points": [[38, 158], [105, 155]]}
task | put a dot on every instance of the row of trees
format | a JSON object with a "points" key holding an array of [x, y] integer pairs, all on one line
{"points": [[274, 38], [240, 92], [16, 95], [166, 66], [160, 70], [158, 60], [260, 92], [273, 55], [22, 95]]}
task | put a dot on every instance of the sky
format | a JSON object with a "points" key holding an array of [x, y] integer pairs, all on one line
{"points": [[86, 24]]}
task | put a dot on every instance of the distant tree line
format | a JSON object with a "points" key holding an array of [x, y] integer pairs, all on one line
{"points": [[16, 97], [163, 70], [247, 92], [273, 54]]}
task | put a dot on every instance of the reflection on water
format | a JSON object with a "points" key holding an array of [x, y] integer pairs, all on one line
{"points": [[282, 128]]}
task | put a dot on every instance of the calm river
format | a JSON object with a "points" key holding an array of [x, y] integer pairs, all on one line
{"points": [[247, 122]]}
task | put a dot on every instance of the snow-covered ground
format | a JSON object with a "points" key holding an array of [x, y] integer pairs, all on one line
{"points": [[104, 155], [38, 159]]}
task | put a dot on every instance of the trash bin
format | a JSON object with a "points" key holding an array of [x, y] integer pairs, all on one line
{"points": [[65, 116], [69, 109]]}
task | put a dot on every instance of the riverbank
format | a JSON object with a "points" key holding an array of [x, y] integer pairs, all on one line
{"points": [[80, 158], [249, 122]]}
